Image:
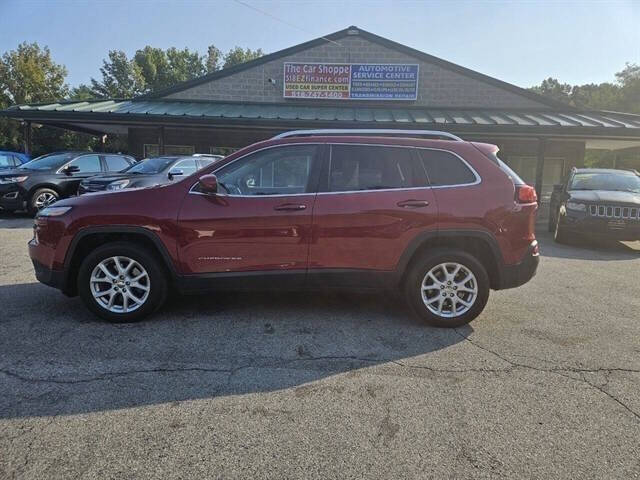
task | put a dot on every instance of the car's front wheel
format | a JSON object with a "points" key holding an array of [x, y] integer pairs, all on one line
{"points": [[447, 288], [122, 282], [42, 198]]}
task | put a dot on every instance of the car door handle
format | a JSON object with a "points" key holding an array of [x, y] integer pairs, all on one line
{"points": [[413, 203], [290, 207]]}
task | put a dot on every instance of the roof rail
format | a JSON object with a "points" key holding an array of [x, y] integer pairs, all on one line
{"points": [[383, 132]]}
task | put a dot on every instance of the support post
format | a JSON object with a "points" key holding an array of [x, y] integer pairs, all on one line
{"points": [[103, 142], [540, 167], [27, 137], [161, 141]]}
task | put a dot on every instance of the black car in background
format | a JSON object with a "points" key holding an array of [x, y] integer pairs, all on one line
{"points": [[147, 173], [44, 180], [596, 202]]}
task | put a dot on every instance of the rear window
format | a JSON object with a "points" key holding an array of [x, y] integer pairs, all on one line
{"points": [[444, 168], [116, 164], [506, 169], [359, 167]]}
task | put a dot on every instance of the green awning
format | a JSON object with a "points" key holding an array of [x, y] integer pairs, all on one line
{"points": [[129, 112]]}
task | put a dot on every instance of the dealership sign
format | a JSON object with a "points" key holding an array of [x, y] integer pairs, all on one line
{"points": [[351, 81]]}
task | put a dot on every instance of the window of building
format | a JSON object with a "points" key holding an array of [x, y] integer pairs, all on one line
{"points": [[87, 164], [445, 168], [361, 167], [552, 172], [153, 150]]}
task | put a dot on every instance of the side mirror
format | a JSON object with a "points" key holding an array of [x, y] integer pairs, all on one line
{"points": [[209, 183], [71, 169], [175, 172]]}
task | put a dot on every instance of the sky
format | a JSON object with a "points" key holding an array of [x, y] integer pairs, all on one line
{"points": [[518, 41]]}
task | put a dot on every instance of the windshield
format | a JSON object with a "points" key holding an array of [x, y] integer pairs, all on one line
{"points": [[48, 162], [150, 165], [622, 181]]}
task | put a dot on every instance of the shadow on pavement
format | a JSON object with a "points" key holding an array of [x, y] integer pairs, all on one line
{"points": [[58, 359]]}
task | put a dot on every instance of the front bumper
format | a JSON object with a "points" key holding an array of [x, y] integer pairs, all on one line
{"points": [[512, 276], [11, 197], [582, 224], [53, 278]]}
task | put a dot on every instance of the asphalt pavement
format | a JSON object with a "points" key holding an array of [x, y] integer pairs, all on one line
{"points": [[544, 384]]}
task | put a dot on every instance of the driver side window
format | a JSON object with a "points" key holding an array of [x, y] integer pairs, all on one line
{"points": [[275, 171]]}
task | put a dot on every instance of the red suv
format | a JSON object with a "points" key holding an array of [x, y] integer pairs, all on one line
{"points": [[440, 218]]}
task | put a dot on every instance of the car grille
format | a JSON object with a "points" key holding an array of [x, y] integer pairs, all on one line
{"points": [[613, 211]]}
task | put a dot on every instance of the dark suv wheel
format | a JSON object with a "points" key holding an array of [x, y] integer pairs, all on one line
{"points": [[41, 198], [447, 288], [121, 282]]}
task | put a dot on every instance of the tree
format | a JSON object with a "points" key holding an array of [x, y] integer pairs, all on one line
{"points": [[81, 92], [238, 55], [161, 69], [214, 56], [29, 75], [121, 77], [552, 88]]}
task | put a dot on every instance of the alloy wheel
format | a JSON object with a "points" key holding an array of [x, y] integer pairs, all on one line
{"points": [[120, 284], [449, 290], [44, 200]]}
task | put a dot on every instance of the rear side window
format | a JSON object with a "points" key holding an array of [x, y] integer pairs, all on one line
{"points": [[360, 167], [87, 164], [188, 167], [444, 168], [116, 164]]}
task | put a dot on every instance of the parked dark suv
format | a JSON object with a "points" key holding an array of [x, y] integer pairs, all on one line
{"points": [[442, 220], [146, 173], [596, 202], [42, 181]]}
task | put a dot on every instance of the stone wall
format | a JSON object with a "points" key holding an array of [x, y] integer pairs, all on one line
{"points": [[438, 86]]}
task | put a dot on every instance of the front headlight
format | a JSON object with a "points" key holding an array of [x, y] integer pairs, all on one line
{"points": [[13, 179], [578, 207], [53, 211], [118, 185]]}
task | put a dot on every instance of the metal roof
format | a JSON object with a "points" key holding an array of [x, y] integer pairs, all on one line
{"points": [[337, 116]]}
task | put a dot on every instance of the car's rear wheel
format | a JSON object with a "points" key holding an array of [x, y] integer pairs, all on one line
{"points": [[447, 288], [42, 198], [121, 282]]}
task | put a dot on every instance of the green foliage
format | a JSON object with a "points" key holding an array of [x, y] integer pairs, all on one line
{"points": [[621, 96], [121, 77], [29, 75], [214, 56], [237, 55]]}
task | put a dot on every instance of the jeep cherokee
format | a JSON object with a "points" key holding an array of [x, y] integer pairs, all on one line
{"points": [[441, 219]]}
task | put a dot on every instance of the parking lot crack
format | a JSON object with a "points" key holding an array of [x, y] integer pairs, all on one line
{"points": [[564, 371]]}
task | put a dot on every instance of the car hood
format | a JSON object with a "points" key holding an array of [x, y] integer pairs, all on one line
{"points": [[604, 196]]}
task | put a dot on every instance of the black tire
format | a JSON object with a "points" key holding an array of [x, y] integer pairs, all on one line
{"points": [[559, 234], [158, 281], [32, 205], [422, 265]]}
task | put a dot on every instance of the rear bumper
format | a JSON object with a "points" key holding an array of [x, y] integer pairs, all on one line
{"points": [[512, 276]]}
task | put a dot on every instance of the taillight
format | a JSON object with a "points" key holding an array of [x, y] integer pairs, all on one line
{"points": [[526, 194]]}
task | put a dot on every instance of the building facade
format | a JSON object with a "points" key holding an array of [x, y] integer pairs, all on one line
{"points": [[349, 79]]}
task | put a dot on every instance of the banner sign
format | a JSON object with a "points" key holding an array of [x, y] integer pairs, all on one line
{"points": [[351, 81]]}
